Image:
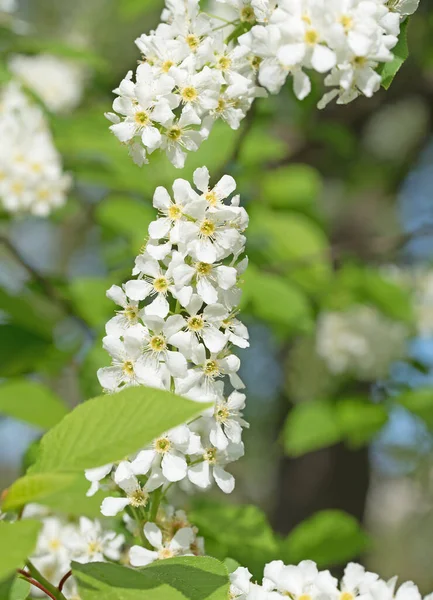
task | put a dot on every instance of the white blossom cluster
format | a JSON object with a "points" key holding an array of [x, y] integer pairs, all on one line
{"points": [[31, 174], [61, 542], [172, 535], [306, 582], [58, 82], [360, 342], [176, 329], [198, 68]]}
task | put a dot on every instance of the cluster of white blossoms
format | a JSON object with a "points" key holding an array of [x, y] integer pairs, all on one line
{"points": [[58, 82], [31, 174], [176, 329], [197, 68], [306, 582], [361, 342], [61, 541]]}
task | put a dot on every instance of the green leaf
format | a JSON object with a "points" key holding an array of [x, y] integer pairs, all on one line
{"points": [[89, 298], [368, 286], [103, 581], [276, 300], [17, 542], [293, 186], [129, 9], [110, 427], [31, 402], [20, 589], [231, 564], [126, 216], [419, 402], [72, 500], [183, 578], [34, 488], [401, 51], [360, 419], [21, 351], [310, 426], [196, 577], [329, 537], [29, 45], [241, 532], [292, 243]]}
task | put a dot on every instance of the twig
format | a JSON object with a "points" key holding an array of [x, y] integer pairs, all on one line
{"points": [[63, 580], [237, 149], [49, 289], [35, 583]]}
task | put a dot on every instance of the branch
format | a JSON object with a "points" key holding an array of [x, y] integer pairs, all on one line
{"points": [[45, 284], [63, 580], [237, 149], [35, 583]]}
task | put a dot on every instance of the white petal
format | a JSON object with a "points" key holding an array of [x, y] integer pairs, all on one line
{"points": [[225, 186], [159, 307], [174, 466], [143, 461], [138, 289], [291, 54], [151, 138], [176, 364], [159, 229], [140, 557], [205, 251], [225, 481], [153, 535], [201, 179], [173, 324], [199, 475], [98, 473], [226, 276], [112, 506], [301, 84], [206, 290], [217, 437], [323, 58], [118, 296], [214, 339], [182, 540], [124, 131], [161, 198]]}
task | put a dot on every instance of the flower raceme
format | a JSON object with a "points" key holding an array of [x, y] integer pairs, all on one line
{"points": [[31, 174], [306, 582], [176, 329], [197, 68]]}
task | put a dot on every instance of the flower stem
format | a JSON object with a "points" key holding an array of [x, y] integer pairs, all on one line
{"points": [[156, 499], [39, 581]]}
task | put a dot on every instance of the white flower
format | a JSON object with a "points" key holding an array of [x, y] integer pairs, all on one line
{"points": [[201, 327], [168, 452], [126, 318], [210, 466], [180, 135], [179, 545], [227, 422], [95, 475], [31, 174], [54, 539], [136, 495], [242, 588], [58, 82], [204, 376], [175, 331], [360, 341], [299, 580], [92, 544]]}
